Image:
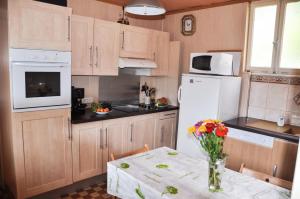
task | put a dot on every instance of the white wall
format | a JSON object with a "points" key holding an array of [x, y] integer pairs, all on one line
{"points": [[296, 184]]}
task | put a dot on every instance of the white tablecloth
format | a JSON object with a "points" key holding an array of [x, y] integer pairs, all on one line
{"points": [[144, 180]]}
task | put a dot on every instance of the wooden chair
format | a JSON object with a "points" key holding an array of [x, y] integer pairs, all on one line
{"points": [[141, 150], [265, 177]]}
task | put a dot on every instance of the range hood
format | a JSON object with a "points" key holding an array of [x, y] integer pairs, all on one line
{"points": [[136, 63]]}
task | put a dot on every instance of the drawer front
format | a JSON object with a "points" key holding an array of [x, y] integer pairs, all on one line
{"points": [[168, 114]]}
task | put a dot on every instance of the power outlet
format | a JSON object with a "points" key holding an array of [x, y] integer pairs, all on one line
{"points": [[87, 100]]}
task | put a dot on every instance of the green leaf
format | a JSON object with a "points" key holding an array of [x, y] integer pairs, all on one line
{"points": [[171, 190], [124, 165], [139, 192], [172, 153], [162, 166]]}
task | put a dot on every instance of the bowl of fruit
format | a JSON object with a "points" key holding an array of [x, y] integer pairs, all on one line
{"points": [[101, 108], [162, 102]]}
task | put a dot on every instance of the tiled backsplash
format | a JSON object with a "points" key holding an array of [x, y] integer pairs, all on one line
{"points": [[273, 96]]}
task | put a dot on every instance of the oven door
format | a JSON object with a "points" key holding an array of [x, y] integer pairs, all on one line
{"points": [[37, 85]]}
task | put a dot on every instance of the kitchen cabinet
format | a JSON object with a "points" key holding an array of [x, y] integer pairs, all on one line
{"points": [[82, 45], [118, 140], [37, 25], [265, 154], [44, 151], [284, 159], [136, 42], [142, 130], [166, 128], [256, 157], [95, 46], [106, 47], [87, 150], [161, 53]]}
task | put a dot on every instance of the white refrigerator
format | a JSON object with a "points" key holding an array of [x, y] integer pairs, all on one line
{"points": [[204, 97]]}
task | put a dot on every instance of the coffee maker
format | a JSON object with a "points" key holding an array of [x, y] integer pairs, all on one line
{"points": [[77, 96]]}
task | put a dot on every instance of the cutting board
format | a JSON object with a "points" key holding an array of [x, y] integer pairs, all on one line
{"points": [[270, 126]]}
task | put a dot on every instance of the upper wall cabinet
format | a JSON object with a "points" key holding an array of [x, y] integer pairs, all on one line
{"points": [[136, 42], [82, 45], [95, 46], [106, 47], [161, 52], [37, 25]]}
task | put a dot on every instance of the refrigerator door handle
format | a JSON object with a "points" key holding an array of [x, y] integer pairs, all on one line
{"points": [[179, 94]]}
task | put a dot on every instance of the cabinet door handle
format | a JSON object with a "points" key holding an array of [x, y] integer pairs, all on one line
{"points": [[97, 56], [106, 138], [123, 38], [91, 56], [274, 170], [69, 28], [154, 56], [69, 129], [101, 139], [131, 134], [162, 134]]}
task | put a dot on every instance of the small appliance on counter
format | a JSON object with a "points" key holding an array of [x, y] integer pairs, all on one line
{"points": [[77, 96]]}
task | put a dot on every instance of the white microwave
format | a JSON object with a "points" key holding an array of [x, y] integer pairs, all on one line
{"points": [[211, 63]]}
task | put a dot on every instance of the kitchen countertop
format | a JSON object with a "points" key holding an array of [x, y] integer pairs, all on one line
{"points": [[241, 123], [90, 116]]}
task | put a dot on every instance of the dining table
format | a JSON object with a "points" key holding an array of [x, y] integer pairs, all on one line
{"points": [[168, 174]]}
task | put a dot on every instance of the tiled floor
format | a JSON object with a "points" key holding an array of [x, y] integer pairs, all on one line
{"points": [[96, 191]]}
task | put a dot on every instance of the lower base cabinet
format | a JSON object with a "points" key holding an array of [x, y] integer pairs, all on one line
{"points": [[44, 159], [87, 150], [278, 161], [94, 142]]}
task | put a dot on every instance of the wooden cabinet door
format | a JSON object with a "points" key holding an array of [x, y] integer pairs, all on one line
{"points": [[106, 47], [37, 25], [87, 154], [82, 45], [284, 159], [161, 50], [141, 131], [46, 150], [256, 157], [136, 42], [165, 133], [118, 142]]}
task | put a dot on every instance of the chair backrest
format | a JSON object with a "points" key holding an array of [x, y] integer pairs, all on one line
{"points": [[118, 156], [265, 177]]}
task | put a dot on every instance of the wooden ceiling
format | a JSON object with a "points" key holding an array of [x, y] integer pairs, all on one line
{"points": [[175, 6]]}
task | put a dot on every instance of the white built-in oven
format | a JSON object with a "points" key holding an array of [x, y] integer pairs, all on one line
{"points": [[40, 79]]}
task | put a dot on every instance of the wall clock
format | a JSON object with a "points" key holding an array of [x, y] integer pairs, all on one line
{"points": [[188, 25]]}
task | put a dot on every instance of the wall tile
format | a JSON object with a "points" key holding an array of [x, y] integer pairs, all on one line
{"points": [[277, 96], [258, 94], [255, 112], [273, 115], [291, 105]]}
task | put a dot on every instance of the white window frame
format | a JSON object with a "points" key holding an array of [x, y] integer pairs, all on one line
{"points": [[277, 41]]}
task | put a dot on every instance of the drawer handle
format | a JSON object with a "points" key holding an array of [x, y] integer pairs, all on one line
{"points": [[170, 114], [106, 137]]}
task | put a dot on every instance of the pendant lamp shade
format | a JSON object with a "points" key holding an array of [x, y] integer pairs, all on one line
{"points": [[145, 7]]}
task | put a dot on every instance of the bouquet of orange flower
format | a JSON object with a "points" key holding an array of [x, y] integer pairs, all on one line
{"points": [[211, 135]]}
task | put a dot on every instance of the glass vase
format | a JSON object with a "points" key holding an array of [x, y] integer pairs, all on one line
{"points": [[215, 172]]}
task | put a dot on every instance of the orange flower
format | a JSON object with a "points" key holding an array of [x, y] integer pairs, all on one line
{"points": [[192, 130], [221, 131]]}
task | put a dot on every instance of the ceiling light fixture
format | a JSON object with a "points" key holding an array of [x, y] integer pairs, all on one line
{"points": [[145, 7]]}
